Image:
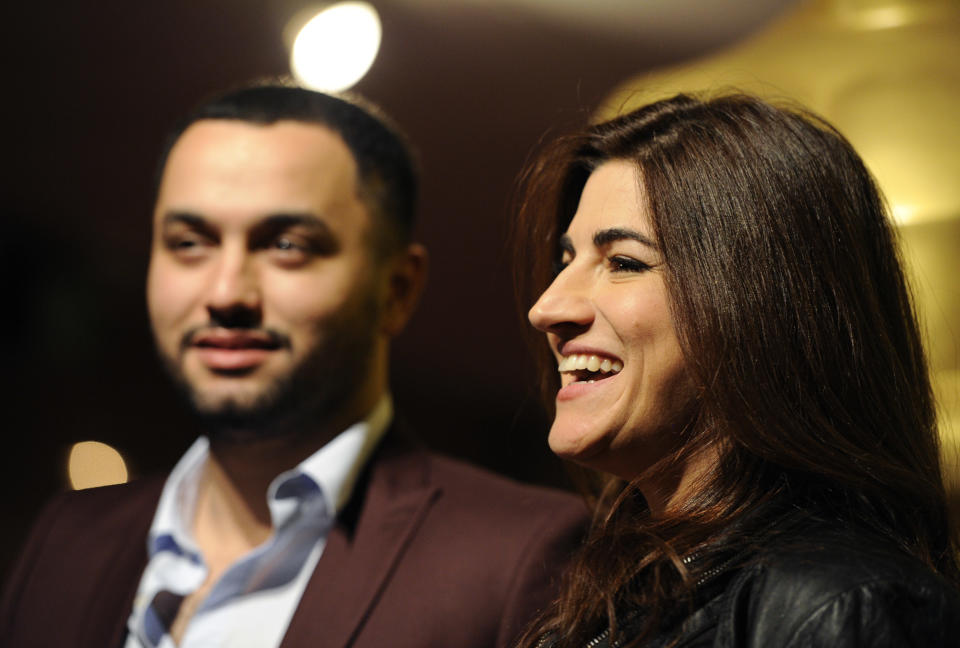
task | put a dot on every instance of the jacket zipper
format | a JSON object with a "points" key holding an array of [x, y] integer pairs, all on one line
{"points": [[705, 578], [596, 640]]}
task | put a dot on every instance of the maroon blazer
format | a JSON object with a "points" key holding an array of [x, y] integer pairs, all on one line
{"points": [[429, 552]]}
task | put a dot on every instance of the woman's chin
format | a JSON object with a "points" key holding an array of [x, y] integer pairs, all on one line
{"points": [[579, 446]]}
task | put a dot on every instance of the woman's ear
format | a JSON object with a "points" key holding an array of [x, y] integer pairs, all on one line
{"points": [[406, 275]]}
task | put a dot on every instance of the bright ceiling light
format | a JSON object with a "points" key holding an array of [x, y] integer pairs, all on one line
{"points": [[337, 46]]}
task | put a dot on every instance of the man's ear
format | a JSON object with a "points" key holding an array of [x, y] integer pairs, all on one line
{"points": [[406, 274]]}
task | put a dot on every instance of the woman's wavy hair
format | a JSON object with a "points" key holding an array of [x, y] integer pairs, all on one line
{"points": [[796, 323]]}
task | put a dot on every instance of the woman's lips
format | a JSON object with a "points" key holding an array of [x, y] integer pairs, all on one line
{"points": [[584, 373], [579, 388]]}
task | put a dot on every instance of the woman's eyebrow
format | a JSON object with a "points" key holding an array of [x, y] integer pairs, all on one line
{"points": [[606, 236], [566, 244]]}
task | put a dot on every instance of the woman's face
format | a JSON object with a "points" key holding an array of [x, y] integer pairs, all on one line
{"points": [[624, 392]]}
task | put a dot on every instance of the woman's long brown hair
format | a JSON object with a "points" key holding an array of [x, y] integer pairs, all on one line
{"points": [[796, 322]]}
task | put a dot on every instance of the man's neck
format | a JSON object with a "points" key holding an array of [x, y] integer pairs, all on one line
{"points": [[231, 515], [231, 504], [237, 475]]}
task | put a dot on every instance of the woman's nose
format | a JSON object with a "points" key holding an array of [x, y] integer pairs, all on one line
{"points": [[562, 306]]}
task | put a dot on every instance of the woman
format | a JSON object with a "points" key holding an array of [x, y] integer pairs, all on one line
{"points": [[737, 349]]}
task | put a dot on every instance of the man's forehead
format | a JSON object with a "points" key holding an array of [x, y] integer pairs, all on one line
{"points": [[281, 156], [237, 167], [251, 144]]}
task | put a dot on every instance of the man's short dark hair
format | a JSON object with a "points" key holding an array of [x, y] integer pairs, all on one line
{"points": [[385, 160]]}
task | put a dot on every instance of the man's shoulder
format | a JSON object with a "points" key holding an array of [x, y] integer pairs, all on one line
{"points": [[86, 523], [106, 506], [508, 518], [464, 503], [478, 553], [406, 464], [117, 494], [459, 477], [81, 561]]}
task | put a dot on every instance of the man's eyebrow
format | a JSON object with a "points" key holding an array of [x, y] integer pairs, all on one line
{"points": [[272, 221], [187, 218], [294, 219], [606, 236]]}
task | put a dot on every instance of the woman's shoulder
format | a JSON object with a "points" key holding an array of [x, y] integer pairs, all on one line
{"points": [[839, 589]]}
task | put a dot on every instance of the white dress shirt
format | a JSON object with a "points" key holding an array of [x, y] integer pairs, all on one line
{"points": [[255, 598]]}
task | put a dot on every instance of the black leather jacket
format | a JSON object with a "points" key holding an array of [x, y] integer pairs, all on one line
{"points": [[837, 590]]}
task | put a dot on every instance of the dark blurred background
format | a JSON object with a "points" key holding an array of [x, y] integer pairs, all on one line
{"points": [[90, 90]]}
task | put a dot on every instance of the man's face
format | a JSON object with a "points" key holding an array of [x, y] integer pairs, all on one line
{"points": [[263, 293]]}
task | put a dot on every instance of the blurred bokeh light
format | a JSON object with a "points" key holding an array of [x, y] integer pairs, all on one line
{"points": [[92, 464], [336, 47]]}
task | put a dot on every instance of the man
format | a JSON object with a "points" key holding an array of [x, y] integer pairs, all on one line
{"points": [[281, 268]]}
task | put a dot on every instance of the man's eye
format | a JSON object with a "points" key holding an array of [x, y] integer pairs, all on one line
{"points": [[289, 250], [187, 246], [627, 264], [285, 244]]}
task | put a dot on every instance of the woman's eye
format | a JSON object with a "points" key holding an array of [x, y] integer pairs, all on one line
{"points": [[627, 264]]}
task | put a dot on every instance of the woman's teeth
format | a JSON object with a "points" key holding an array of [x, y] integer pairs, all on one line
{"points": [[590, 363]]}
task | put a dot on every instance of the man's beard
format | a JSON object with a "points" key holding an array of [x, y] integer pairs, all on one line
{"points": [[315, 390]]}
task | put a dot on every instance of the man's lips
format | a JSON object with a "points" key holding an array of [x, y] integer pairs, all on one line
{"points": [[230, 339], [233, 350]]}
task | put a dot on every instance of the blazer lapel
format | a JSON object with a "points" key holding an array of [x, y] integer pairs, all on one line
{"points": [[368, 540], [115, 593], [109, 609]]}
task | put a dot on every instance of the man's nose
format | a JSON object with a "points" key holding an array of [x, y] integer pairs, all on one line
{"points": [[235, 296], [565, 306]]}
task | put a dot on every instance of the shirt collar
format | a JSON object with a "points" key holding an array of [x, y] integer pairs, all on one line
{"points": [[331, 471], [334, 468]]}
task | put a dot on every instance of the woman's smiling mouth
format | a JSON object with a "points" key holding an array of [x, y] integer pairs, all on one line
{"points": [[586, 368]]}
